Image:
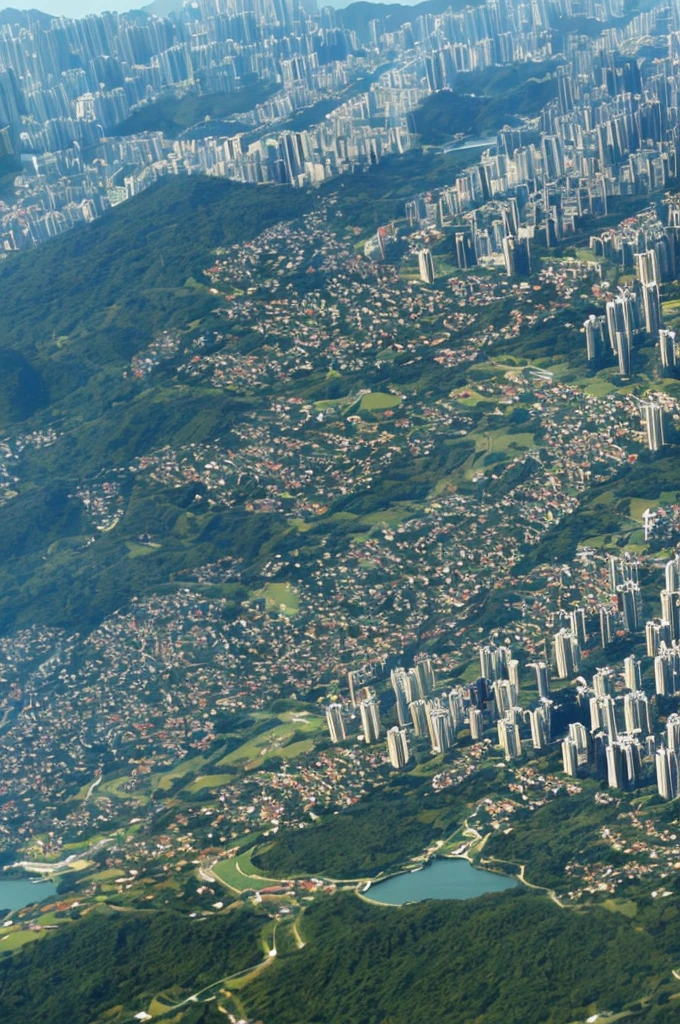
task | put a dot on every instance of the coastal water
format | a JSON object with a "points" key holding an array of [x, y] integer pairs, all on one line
{"points": [[16, 893], [443, 879]]}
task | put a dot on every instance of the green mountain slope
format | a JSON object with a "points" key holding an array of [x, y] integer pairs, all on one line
{"points": [[75, 310], [460, 962], [130, 957]]}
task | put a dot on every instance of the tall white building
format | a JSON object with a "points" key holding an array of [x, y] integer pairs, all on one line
{"points": [[569, 757], [542, 678], [653, 421], [567, 653], [672, 573], [457, 707], [370, 720], [632, 673], [397, 747], [506, 695], [636, 713], [476, 719], [657, 631], [336, 723], [420, 717], [539, 721], [426, 266], [673, 733], [509, 738], [441, 730], [667, 350], [667, 773]]}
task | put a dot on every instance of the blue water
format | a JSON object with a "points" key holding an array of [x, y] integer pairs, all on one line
{"points": [[443, 879], [16, 893]]}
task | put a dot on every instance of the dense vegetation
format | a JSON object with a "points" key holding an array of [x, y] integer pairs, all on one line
{"points": [[484, 101], [172, 114], [514, 958], [378, 833], [510, 959], [565, 830], [130, 958], [72, 314], [73, 308], [377, 195]]}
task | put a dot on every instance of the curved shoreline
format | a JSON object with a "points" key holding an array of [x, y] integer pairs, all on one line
{"points": [[363, 890]]}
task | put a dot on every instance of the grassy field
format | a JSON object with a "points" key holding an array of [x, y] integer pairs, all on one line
{"points": [[469, 397], [238, 873], [166, 780], [16, 939], [140, 550], [626, 907], [587, 255], [503, 441], [280, 597], [599, 387], [293, 750], [254, 750], [638, 505], [208, 782], [114, 787], [379, 400]]}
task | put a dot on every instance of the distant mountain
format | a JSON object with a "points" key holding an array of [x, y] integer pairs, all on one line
{"points": [[356, 16], [12, 16]]}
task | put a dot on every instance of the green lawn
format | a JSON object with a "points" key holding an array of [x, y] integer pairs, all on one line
{"points": [[208, 782], [274, 741], [626, 907], [280, 597], [140, 550], [166, 780], [468, 396], [599, 387], [587, 255], [293, 750], [17, 939], [378, 400], [114, 787], [239, 873], [503, 441]]}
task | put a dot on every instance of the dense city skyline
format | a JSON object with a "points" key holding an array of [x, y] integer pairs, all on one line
{"points": [[340, 514]]}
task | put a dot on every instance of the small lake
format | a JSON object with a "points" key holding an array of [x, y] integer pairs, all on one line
{"points": [[16, 893], [447, 878]]}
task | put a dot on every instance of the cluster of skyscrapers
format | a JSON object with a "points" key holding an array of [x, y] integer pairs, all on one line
{"points": [[611, 720], [611, 129], [436, 719], [620, 743], [634, 314]]}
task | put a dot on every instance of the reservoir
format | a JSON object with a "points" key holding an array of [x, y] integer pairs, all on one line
{"points": [[448, 878], [16, 893]]}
